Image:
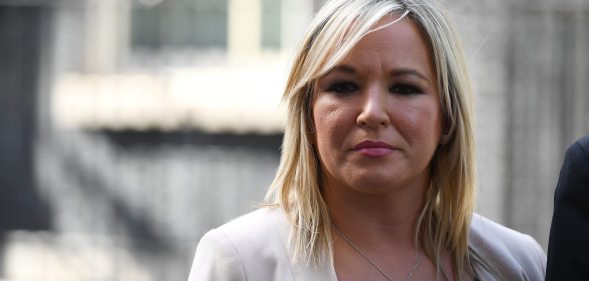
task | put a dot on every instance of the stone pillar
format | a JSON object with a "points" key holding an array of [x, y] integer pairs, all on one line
{"points": [[244, 29], [296, 16], [548, 109], [107, 34]]}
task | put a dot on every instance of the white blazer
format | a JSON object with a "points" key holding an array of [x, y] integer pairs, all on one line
{"points": [[254, 247]]}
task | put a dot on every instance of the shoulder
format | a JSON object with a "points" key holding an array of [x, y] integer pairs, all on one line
{"points": [[583, 144], [573, 181], [251, 247], [249, 227], [579, 151], [576, 159], [517, 256]]}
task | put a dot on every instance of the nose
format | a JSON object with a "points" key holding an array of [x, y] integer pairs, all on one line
{"points": [[373, 112]]}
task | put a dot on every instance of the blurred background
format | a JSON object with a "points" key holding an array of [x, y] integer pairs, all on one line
{"points": [[128, 128]]}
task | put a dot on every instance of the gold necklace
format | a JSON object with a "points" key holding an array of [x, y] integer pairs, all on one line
{"points": [[357, 249]]}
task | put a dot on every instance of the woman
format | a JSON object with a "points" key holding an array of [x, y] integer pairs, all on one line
{"points": [[377, 176]]}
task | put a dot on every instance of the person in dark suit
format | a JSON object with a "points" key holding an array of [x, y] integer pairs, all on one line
{"points": [[568, 246]]}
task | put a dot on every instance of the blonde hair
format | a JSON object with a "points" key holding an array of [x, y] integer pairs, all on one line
{"points": [[444, 222]]}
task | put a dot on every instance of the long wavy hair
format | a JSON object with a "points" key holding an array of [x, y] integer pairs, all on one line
{"points": [[444, 222]]}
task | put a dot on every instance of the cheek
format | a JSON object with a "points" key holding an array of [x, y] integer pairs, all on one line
{"points": [[434, 128], [424, 123], [330, 127], [325, 123]]}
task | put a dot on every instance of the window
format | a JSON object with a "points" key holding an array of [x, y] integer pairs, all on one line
{"points": [[179, 24], [271, 24]]}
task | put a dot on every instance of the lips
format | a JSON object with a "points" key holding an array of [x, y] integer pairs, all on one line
{"points": [[374, 148]]}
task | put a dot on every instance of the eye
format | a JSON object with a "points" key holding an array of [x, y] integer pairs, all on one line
{"points": [[405, 89], [342, 87]]}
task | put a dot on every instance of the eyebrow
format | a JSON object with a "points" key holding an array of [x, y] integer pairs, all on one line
{"points": [[395, 72], [343, 68], [408, 71]]}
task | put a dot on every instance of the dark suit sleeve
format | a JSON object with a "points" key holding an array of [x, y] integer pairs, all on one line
{"points": [[568, 248]]}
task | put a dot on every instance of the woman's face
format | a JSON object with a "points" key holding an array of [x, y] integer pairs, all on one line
{"points": [[377, 114]]}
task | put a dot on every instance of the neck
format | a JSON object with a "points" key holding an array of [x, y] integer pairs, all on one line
{"points": [[376, 220]]}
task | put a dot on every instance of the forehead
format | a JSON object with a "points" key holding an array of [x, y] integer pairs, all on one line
{"points": [[394, 41]]}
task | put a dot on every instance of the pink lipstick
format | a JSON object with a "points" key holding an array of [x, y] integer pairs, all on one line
{"points": [[374, 148]]}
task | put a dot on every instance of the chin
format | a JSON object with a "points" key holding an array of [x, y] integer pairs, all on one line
{"points": [[373, 185]]}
